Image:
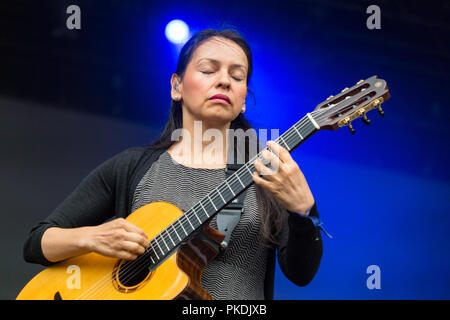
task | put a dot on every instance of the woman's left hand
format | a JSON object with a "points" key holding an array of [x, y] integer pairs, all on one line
{"points": [[285, 181]]}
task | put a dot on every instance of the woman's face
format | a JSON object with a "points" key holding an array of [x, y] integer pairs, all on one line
{"points": [[218, 66]]}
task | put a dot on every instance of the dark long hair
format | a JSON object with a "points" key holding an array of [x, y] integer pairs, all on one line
{"points": [[272, 214]]}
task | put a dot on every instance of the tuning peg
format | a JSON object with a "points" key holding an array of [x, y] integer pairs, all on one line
{"points": [[365, 119], [330, 97], [380, 111], [345, 89], [350, 127], [360, 81]]}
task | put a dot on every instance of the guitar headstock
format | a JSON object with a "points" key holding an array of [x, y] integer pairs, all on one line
{"points": [[351, 103]]}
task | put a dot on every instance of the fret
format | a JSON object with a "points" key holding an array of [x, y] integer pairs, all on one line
{"points": [[187, 218], [295, 128], [161, 236], [226, 182], [250, 171], [206, 212], [240, 180], [193, 210], [212, 204], [159, 246], [154, 250], [247, 178], [286, 146], [149, 253], [221, 196], [170, 237], [175, 232], [182, 227]]}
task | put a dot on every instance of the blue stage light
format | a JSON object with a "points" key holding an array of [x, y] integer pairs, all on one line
{"points": [[177, 31]]}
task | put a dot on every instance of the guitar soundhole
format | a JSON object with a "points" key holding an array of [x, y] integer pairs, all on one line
{"points": [[128, 276]]}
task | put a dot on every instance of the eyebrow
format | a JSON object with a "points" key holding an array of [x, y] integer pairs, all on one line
{"points": [[214, 61]]}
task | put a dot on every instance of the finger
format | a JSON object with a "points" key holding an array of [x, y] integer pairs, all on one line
{"points": [[281, 152], [132, 247], [261, 182], [273, 159], [133, 228], [126, 255], [136, 238], [119, 253], [263, 169]]}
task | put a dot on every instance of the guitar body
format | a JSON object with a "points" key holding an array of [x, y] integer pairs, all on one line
{"points": [[93, 276]]}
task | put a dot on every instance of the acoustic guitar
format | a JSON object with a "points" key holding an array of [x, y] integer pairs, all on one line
{"points": [[182, 243]]}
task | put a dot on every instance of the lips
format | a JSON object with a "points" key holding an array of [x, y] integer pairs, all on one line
{"points": [[221, 97]]}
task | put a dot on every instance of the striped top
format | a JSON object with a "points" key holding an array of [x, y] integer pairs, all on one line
{"points": [[239, 272]]}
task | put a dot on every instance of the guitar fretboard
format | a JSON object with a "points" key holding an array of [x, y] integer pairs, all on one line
{"points": [[185, 226]]}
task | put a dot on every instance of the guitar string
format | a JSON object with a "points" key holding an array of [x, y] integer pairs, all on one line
{"points": [[125, 273]]}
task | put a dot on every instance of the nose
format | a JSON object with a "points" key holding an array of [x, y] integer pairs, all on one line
{"points": [[224, 80]]}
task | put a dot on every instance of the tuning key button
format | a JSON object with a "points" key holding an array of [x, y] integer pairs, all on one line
{"points": [[365, 119], [380, 111], [350, 127]]}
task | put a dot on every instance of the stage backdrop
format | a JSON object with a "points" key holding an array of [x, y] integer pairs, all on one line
{"points": [[71, 99]]}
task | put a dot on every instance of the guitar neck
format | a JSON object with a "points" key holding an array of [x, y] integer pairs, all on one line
{"points": [[191, 221]]}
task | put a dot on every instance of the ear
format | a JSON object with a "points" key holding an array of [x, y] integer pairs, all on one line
{"points": [[175, 82], [176, 86]]}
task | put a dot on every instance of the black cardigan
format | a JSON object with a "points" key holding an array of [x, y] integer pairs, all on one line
{"points": [[108, 191]]}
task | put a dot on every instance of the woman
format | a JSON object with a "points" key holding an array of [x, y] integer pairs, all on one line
{"points": [[209, 87]]}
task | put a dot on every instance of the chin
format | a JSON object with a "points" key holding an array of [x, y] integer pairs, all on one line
{"points": [[219, 117]]}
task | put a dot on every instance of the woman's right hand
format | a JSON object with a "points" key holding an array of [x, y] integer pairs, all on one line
{"points": [[117, 238]]}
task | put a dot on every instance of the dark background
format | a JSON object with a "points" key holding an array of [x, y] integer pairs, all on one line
{"points": [[70, 99]]}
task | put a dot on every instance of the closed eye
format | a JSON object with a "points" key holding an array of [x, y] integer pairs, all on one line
{"points": [[209, 72]]}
